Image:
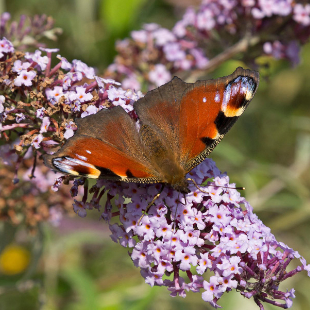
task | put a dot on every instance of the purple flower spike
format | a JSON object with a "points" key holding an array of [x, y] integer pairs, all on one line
{"points": [[214, 231]]}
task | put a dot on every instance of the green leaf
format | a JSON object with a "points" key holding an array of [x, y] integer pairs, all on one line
{"points": [[7, 232], [118, 15], [84, 288], [230, 153]]}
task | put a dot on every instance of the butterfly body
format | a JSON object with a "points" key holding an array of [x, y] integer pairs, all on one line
{"points": [[180, 125]]}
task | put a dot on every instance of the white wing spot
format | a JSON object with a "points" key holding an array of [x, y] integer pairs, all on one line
{"points": [[204, 99], [87, 151], [81, 157]]}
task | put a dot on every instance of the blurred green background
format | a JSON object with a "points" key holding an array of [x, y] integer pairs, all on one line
{"points": [[77, 266]]}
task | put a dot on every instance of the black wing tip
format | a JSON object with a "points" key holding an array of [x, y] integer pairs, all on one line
{"points": [[254, 75], [246, 72]]}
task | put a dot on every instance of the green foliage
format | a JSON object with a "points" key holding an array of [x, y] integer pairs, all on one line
{"points": [[119, 15]]}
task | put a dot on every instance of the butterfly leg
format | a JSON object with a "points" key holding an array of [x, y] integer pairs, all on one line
{"points": [[151, 203], [194, 182]]}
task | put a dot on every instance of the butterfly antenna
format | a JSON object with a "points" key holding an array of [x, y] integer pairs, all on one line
{"points": [[151, 203], [194, 182], [240, 188]]}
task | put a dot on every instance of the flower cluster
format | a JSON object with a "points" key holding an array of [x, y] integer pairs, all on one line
{"points": [[33, 200], [37, 112], [28, 31], [44, 100], [211, 229], [159, 53], [154, 54]]}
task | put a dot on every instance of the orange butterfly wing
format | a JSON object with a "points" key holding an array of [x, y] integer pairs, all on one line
{"points": [[192, 119], [106, 145], [208, 110]]}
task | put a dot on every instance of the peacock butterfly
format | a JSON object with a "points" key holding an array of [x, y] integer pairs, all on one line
{"points": [[180, 125]]}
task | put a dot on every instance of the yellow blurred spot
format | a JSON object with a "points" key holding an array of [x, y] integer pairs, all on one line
{"points": [[14, 259]]}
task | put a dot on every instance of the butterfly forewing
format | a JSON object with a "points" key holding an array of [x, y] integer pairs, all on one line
{"points": [[106, 145], [116, 128], [209, 109]]}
